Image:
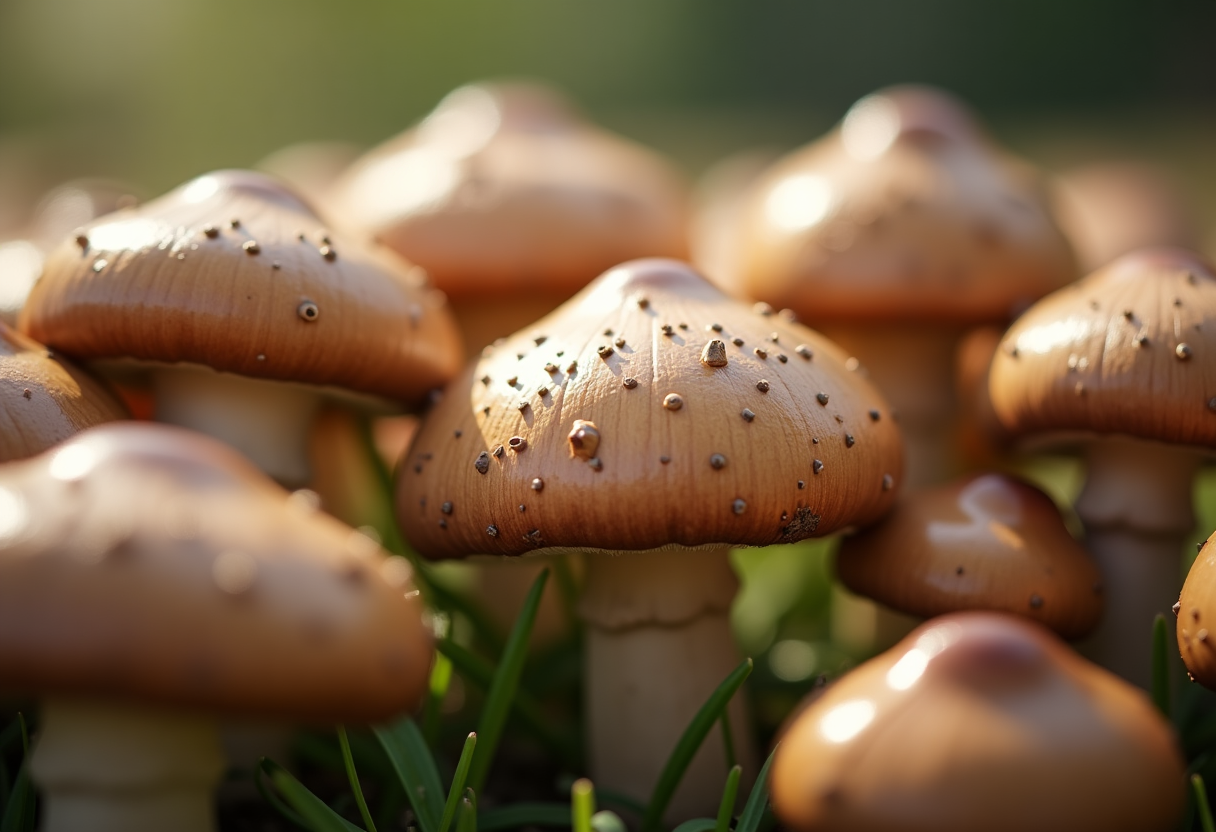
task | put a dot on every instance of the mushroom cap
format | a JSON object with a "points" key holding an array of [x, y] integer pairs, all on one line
{"points": [[1127, 350], [1196, 612], [625, 420], [985, 542], [979, 721], [145, 562], [504, 189], [905, 211], [235, 272], [44, 399]]}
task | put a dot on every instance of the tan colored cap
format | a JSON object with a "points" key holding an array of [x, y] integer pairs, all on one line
{"points": [[43, 399], [987, 542], [979, 721], [504, 189], [650, 410], [1127, 350], [145, 562], [234, 272], [905, 211], [1196, 611]]}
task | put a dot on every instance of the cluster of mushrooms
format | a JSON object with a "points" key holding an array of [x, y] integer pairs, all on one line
{"points": [[157, 580]]}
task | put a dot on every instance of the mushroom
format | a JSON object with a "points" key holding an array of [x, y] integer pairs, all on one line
{"points": [[979, 721], [245, 310], [1119, 363], [512, 203], [986, 542], [151, 580], [44, 399], [1196, 609], [770, 439]]}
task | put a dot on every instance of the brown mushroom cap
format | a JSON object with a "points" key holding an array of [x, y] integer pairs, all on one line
{"points": [[1128, 350], [1196, 612], [145, 562], [504, 189], [986, 542], [979, 721], [905, 211], [649, 410], [44, 399], [234, 272]]}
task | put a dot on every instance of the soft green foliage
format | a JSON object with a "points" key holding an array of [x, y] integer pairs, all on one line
{"points": [[458, 781], [348, 761], [416, 769], [1201, 804], [726, 809]]}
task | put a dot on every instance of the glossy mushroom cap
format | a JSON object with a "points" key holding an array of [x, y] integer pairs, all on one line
{"points": [[650, 410], [234, 272], [905, 211], [987, 542], [1127, 350], [979, 721], [503, 190], [142, 562], [1196, 611], [43, 399]]}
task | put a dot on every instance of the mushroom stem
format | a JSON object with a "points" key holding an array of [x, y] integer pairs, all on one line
{"points": [[658, 643], [267, 421], [110, 768], [1137, 510]]}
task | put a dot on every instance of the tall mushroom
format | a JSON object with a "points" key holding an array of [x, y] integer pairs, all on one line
{"points": [[231, 292], [151, 580], [1123, 364], [652, 423]]}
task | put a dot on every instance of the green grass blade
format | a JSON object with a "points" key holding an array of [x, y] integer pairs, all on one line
{"points": [[19, 811], [416, 769], [757, 801], [520, 815], [728, 740], [605, 821], [311, 811], [458, 781], [264, 768], [1201, 804], [1161, 666], [582, 805], [697, 825], [437, 689], [689, 742], [468, 813], [505, 685], [348, 761], [726, 809]]}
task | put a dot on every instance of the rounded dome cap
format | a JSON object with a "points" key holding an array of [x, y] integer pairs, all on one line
{"points": [[235, 272], [144, 562], [650, 410], [1128, 350], [1196, 611], [987, 542], [905, 211], [503, 188], [979, 721]]}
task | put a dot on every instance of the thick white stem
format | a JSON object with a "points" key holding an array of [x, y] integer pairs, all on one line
{"points": [[110, 768], [267, 421], [651, 664], [1137, 510]]}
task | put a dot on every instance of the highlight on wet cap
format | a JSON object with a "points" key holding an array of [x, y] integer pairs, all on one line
{"points": [[979, 721], [44, 399], [235, 272], [986, 542], [145, 563]]}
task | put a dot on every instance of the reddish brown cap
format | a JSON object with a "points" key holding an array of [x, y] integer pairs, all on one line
{"points": [[144, 562], [1196, 611], [987, 542], [44, 399], [504, 189], [905, 211], [1128, 350], [979, 721], [234, 272], [650, 410]]}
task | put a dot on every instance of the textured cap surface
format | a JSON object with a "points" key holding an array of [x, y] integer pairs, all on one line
{"points": [[905, 211], [1196, 616], [987, 542], [44, 399], [503, 188], [144, 562], [979, 721], [1131, 350], [649, 410], [234, 272]]}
